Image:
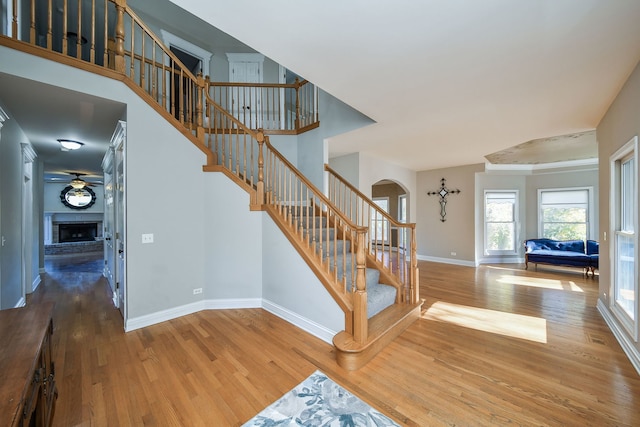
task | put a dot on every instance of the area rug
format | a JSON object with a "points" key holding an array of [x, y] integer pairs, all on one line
{"points": [[318, 401]]}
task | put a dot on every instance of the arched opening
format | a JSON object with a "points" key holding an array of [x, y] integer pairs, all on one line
{"points": [[392, 198]]}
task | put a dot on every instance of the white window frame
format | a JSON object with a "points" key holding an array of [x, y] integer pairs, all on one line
{"points": [[402, 200], [385, 231], [516, 216], [629, 150], [590, 210]]}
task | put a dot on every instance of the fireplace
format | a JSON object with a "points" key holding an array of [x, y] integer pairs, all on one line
{"points": [[77, 232]]}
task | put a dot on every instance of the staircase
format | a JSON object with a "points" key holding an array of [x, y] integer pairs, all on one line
{"points": [[365, 260]]}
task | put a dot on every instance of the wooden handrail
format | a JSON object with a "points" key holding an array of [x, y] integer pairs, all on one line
{"points": [[363, 196], [274, 85], [319, 193], [166, 50]]}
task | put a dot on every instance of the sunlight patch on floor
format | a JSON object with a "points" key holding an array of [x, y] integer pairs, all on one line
{"points": [[492, 321], [563, 285]]}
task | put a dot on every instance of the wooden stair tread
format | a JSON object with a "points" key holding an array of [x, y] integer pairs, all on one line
{"points": [[383, 329]]}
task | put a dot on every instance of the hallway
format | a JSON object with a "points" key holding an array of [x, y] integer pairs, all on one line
{"points": [[496, 345]]}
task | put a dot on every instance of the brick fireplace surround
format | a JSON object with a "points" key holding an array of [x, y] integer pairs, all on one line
{"points": [[80, 233]]}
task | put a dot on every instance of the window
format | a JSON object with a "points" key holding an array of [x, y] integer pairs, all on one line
{"points": [[625, 278], [380, 225], [564, 214], [500, 215], [402, 217], [402, 208]]}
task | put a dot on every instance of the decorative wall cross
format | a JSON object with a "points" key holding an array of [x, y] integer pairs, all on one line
{"points": [[443, 192]]}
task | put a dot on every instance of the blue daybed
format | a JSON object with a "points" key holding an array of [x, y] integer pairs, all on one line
{"points": [[566, 253]]}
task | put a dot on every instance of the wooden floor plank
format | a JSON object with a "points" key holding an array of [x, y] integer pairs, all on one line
{"points": [[495, 345]]}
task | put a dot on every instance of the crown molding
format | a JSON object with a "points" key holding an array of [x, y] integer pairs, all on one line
{"points": [[488, 167]]}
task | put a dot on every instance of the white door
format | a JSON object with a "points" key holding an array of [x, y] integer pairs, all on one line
{"points": [[109, 224], [246, 101], [120, 226]]}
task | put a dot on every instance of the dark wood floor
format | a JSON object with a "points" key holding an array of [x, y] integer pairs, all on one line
{"points": [[496, 345]]}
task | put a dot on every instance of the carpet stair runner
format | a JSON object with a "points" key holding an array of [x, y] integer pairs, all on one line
{"points": [[379, 295]]}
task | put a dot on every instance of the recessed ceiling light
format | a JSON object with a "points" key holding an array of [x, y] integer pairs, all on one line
{"points": [[69, 144]]}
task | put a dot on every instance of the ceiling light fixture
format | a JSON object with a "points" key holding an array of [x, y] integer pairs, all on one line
{"points": [[69, 144], [77, 183]]}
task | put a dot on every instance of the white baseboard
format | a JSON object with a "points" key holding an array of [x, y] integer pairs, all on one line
{"points": [[21, 303], [447, 261], [501, 260], [223, 304], [627, 345], [36, 283], [303, 323], [162, 316], [175, 312], [295, 319]]}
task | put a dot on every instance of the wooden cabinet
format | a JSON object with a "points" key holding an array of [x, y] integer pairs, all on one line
{"points": [[28, 388]]}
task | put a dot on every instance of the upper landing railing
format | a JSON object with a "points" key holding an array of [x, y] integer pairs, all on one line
{"points": [[109, 35]]}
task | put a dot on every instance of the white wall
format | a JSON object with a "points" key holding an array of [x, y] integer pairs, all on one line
{"points": [[11, 135], [617, 127], [348, 167], [292, 290], [373, 169], [233, 254], [336, 118], [437, 240]]}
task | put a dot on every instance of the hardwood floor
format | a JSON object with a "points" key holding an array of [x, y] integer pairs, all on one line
{"points": [[496, 345]]}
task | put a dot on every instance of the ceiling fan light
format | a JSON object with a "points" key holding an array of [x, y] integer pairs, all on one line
{"points": [[69, 144], [77, 183]]}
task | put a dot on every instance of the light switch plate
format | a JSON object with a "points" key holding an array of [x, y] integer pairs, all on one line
{"points": [[147, 238]]}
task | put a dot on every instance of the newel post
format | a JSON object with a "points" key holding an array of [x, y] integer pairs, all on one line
{"points": [[260, 184], [360, 327], [119, 57], [199, 93], [298, 121], [414, 277]]}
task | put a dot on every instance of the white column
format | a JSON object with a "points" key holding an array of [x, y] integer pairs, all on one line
{"points": [[48, 228]]}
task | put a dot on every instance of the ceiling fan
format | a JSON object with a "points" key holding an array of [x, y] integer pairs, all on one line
{"points": [[79, 183]]}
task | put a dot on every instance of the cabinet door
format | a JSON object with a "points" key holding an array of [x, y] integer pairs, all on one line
{"points": [[32, 414], [49, 391]]}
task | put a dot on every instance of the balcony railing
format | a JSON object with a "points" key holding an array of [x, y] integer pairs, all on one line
{"points": [[274, 108], [108, 34]]}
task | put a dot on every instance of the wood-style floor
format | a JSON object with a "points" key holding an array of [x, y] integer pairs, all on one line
{"points": [[496, 345]]}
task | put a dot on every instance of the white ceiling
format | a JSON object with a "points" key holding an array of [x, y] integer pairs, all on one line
{"points": [[46, 113], [447, 81]]}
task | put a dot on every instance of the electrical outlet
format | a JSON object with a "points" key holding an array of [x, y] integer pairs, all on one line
{"points": [[197, 291], [454, 253], [147, 238]]}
